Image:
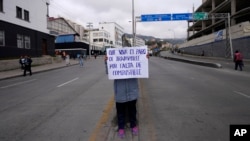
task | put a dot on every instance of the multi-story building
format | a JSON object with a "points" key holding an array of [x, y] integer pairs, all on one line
{"points": [[238, 11], [138, 41], [128, 41], [227, 26], [23, 30], [70, 37], [116, 32], [100, 39], [60, 26], [93, 38], [108, 34]]}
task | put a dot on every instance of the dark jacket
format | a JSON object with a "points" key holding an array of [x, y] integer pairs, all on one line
{"points": [[28, 61]]}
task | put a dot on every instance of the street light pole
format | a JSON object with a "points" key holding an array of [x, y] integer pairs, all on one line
{"points": [[89, 26], [137, 19], [172, 31], [174, 36], [133, 22]]}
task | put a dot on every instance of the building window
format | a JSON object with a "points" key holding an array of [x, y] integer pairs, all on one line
{"points": [[27, 42], [100, 34], [19, 12], [26, 15], [2, 40], [19, 41], [1, 5], [95, 34], [101, 40]]}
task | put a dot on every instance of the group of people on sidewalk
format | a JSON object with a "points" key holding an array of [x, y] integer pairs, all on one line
{"points": [[25, 62]]}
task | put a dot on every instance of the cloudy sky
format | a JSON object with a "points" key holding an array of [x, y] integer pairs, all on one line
{"points": [[120, 11]]}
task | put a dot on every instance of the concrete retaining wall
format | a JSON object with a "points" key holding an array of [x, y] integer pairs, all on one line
{"points": [[240, 35], [237, 31], [14, 64], [218, 49]]}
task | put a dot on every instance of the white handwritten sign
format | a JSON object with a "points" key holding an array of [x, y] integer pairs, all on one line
{"points": [[127, 62]]}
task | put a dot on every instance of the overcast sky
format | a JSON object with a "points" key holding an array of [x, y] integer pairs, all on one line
{"points": [[120, 11]]}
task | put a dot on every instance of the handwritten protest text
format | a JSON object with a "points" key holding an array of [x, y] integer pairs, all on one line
{"points": [[127, 62]]}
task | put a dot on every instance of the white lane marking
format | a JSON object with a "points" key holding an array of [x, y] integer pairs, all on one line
{"points": [[67, 82], [240, 93], [19, 83]]}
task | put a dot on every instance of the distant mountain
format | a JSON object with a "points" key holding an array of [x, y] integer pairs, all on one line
{"points": [[147, 38]]}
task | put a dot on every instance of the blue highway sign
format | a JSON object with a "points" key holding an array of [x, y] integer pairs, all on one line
{"points": [[156, 17], [182, 16]]}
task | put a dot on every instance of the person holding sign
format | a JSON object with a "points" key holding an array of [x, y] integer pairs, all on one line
{"points": [[125, 66]]}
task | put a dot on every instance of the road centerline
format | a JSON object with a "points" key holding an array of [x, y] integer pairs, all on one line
{"points": [[240, 93], [67, 82]]}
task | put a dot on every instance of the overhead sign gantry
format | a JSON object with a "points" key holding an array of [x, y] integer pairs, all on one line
{"points": [[195, 17], [174, 17]]}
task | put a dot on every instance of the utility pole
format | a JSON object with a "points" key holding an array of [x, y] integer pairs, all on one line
{"points": [[133, 22], [229, 38], [89, 25], [47, 9], [226, 17]]}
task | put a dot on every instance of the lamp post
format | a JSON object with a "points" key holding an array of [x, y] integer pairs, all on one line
{"points": [[89, 25], [134, 33], [133, 22], [137, 19], [172, 31], [173, 38]]}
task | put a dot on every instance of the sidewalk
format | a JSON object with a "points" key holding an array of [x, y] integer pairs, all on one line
{"points": [[35, 69]]}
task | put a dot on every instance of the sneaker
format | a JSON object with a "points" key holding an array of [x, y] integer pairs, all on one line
{"points": [[135, 130], [121, 133]]}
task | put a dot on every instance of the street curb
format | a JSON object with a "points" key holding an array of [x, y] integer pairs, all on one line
{"points": [[207, 64]]}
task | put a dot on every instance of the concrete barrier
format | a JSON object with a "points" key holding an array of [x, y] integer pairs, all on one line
{"points": [[202, 63]]}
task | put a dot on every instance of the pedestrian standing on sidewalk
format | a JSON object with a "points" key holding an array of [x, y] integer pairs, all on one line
{"points": [[238, 60], [27, 67], [64, 55], [21, 62], [81, 60], [95, 55], [67, 59]]}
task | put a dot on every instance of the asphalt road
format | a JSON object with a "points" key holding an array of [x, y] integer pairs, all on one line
{"points": [[178, 102], [60, 105], [193, 103]]}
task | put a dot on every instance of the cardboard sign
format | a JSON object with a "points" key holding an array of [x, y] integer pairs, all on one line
{"points": [[127, 62]]}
